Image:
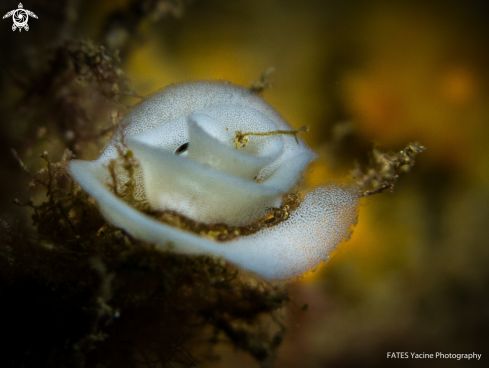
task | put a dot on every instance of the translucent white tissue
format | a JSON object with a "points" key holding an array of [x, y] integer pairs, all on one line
{"points": [[213, 182]]}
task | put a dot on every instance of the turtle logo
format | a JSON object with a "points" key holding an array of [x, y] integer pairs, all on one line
{"points": [[20, 17]]}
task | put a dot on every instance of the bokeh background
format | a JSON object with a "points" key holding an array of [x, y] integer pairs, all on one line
{"points": [[414, 277]]}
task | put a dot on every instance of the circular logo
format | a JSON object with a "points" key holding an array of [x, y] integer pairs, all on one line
{"points": [[20, 18]]}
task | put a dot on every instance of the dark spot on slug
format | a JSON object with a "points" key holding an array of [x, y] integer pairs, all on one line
{"points": [[182, 149]]}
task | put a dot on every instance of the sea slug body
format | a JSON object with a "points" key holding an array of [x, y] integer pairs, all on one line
{"points": [[185, 142]]}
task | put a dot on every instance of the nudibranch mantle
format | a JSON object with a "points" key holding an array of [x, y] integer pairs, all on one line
{"points": [[182, 138]]}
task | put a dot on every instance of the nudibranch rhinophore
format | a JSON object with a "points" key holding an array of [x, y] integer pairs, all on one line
{"points": [[194, 160]]}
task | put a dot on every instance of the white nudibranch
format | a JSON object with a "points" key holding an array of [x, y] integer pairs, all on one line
{"points": [[184, 140]]}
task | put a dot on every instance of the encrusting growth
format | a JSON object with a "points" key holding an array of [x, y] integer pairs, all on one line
{"points": [[101, 278], [384, 169], [241, 140]]}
